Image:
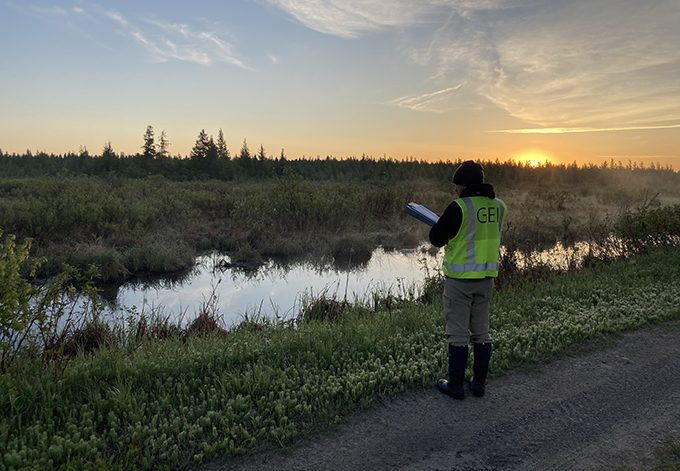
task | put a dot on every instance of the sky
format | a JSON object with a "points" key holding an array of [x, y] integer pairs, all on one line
{"points": [[562, 80]]}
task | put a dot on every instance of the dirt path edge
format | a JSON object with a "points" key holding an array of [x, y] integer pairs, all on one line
{"points": [[600, 409]]}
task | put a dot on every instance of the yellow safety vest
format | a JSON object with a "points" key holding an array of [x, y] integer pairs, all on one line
{"points": [[474, 252]]}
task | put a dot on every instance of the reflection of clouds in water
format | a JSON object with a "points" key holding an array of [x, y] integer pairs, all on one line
{"points": [[110, 293], [276, 290]]}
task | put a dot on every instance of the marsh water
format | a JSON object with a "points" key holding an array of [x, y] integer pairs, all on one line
{"points": [[279, 290], [275, 290]]}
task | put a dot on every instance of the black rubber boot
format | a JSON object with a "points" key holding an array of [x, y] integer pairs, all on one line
{"points": [[480, 368], [457, 363]]}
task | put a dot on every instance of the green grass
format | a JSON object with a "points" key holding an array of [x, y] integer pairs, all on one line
{"points": [[172, 403], [666, 457]]}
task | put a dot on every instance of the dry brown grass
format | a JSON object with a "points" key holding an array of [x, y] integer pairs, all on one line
{"points": [[205, 323]]}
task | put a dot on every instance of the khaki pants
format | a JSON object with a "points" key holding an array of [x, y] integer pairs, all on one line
{"points": [[466, 310]]}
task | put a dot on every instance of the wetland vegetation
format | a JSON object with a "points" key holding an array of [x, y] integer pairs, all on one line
{"points": [[148, 393], [153, 214]]}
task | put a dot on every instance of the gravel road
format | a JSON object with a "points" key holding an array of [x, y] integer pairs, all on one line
{"points": [[595, 410]]}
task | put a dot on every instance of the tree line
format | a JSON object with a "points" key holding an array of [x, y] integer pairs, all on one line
{"points": [[211, 159]]}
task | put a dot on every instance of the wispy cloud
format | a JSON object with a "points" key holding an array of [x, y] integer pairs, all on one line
{"points": [[165, 40], [581, 130], [162, 40], [351, 18], [572, 66], [433, 102], [577, 66], [118, 18], [168, 40]]}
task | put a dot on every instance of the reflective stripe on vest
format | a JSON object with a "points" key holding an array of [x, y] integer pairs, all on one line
{"points": [[470, 266]]}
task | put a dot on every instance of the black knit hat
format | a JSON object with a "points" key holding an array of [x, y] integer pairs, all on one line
{"points": [[469, 173]]}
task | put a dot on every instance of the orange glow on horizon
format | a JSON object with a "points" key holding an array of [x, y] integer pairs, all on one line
{"points": [[533, 158]]}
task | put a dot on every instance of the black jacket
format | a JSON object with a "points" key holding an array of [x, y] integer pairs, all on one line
{"points": [[449, 223]]}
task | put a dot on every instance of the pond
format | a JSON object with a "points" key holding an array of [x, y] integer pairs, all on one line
{"points": [[278, 291], [275, 290]]}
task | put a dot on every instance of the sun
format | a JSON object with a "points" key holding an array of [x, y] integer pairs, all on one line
{"points": [[532, 158]]}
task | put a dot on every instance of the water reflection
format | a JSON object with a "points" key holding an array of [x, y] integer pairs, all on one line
{"points": [[275, 289], [566, 257]]}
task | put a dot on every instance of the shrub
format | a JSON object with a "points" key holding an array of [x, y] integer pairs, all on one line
{"points": [[42, 317], [647, 228], [17, 295], [324, 308]]}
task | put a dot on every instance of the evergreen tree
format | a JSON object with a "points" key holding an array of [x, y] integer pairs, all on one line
{"points": [[149, 147], [260, 154], [204, 155], [280, 163], [108, 157], [222, 151], [200, 149], [163, 145], [245, 153], [107, 152], [212, 152]]}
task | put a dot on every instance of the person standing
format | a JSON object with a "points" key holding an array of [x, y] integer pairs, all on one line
{"points": [[470, 228]]}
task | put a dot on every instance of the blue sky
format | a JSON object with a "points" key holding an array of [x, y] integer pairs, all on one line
{"points": [[433, 79]]}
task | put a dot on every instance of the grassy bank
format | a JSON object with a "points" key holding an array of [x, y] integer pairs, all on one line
{"points": [[186, 400]]}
